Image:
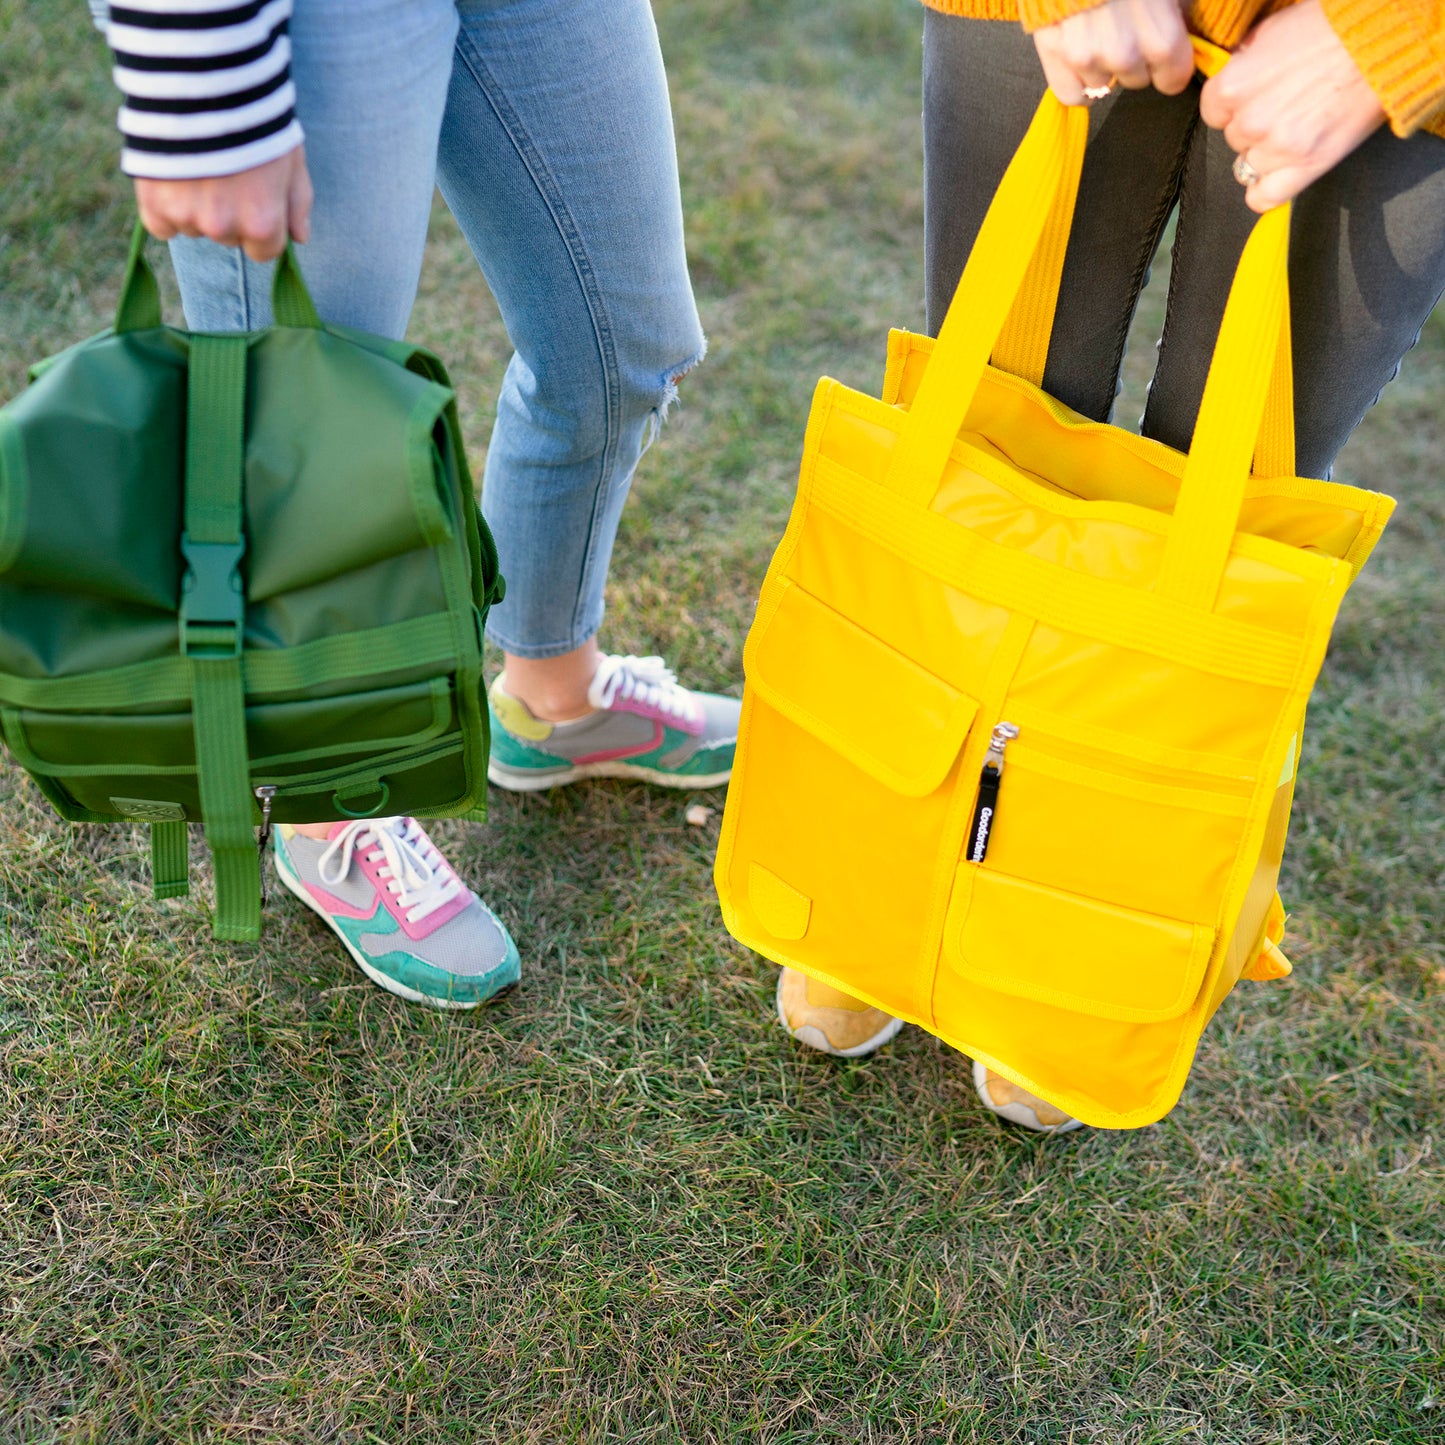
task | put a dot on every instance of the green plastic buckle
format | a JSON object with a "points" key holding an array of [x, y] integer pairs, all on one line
{"points": [[212, 605]]}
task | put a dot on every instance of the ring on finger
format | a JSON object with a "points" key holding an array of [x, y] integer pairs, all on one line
{"points": [[1244, 173], [1098, 92]]}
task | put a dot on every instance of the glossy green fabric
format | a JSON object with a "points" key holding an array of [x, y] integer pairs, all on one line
{"points": [[363, 583]]}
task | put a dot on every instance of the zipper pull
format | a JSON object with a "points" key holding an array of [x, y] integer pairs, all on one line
{"points": [[265, 795], [986, 809]]}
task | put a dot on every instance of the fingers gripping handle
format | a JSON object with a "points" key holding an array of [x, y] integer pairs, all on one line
{"points": [[139, 307], [1023, 347]]}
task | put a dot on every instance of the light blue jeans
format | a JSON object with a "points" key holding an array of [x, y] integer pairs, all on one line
{"points": [[546, 123]]}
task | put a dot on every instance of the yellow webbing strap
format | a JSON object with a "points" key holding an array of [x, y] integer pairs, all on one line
{"points": [[1022, 348]]}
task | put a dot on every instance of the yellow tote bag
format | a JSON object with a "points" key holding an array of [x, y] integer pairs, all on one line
{"points": [[1025, 692]]}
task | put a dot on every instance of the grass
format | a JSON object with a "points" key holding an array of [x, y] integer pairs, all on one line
{"points": [[246, 1196]]}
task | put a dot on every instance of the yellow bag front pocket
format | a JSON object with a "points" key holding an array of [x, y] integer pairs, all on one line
{"points": [[1075, 953], [1113, 830], [882, 711], [849, 755]]}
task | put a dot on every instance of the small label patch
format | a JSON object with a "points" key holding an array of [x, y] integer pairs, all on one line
{"points": [[149, 810]]}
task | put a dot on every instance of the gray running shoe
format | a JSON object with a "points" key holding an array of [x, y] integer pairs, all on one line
{"points": [[400, 911], [644, 725]]}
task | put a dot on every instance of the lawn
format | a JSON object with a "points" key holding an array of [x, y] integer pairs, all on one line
{"points": [[246, 1196]]}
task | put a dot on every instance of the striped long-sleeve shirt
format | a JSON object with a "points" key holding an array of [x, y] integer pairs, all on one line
{"points": [[207, 85]]}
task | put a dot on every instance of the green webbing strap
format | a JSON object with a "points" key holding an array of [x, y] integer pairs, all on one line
{"points": [[170, 858], [212, 624], [415, 645]]}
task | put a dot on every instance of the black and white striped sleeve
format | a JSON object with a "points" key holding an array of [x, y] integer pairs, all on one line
{"points": [[207, 85]]}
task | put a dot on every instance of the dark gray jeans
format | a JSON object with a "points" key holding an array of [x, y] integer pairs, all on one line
{"points": [[1367, 244]]}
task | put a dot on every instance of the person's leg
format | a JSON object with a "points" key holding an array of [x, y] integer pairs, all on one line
{"points": [[371, 79], [1367, 265], [557, 159], [981, 85], [371, 83]]}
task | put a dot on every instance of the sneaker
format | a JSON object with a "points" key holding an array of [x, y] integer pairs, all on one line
{"points": [[1018, 1106], [644, 725], [406, 918], [826, 1018]]}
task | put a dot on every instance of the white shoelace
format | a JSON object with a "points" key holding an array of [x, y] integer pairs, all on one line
{"points": [[414, 871], [647, 680]]}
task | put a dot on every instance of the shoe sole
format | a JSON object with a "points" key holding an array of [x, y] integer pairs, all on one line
{"points": [[523, 780], [411, 995], [814, 1038], [1019, 1114]]}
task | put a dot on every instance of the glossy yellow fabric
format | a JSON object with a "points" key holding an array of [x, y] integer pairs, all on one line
{"points": [[966, 551]]}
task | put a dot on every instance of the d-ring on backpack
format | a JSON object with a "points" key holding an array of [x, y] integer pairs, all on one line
{"points": [[242, 579], [1025, 692]]}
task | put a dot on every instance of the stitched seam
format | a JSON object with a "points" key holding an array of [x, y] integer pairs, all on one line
{"points": [[243, 290], [1168, 198], [567, 230], [1178, 261]]}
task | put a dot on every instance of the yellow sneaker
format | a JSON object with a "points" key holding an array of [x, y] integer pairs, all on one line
{"points": [[828, 1019], [1018, 1106]]}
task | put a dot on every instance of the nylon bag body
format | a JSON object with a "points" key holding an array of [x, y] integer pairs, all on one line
{"points": [[241, 577], [1024, 692]]}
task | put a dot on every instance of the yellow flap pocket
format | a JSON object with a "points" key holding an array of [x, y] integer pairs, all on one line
{"points": [[1072, 952], [780, 908], [882, 711]]}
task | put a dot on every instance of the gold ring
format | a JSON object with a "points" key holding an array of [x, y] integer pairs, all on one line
{"points": [[1098, 92], [1244, 173]]}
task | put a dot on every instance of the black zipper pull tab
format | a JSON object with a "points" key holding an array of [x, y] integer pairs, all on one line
{"points": [[986, 809]]}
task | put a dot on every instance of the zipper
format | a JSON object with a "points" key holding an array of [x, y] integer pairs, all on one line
{"points": [[265, 795], [985, 812], [1226, 777], [305, 784]]}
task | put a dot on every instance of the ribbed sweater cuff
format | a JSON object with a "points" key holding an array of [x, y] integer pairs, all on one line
{"points": [[977, 9], [1400, 47], [1035, 14]]}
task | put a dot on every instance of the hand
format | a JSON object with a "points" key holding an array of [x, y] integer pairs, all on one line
{"points": [[1292, 102], [255, 209], [1139, 43]]}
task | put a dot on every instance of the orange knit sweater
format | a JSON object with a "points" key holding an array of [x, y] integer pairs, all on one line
{"points": [[1398, 44]]}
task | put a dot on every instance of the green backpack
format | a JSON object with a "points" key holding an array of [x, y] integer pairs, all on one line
{"points": [[243, 580]]}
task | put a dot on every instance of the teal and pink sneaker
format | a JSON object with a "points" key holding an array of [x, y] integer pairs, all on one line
{"points": [[643, 725], [406, 918]]}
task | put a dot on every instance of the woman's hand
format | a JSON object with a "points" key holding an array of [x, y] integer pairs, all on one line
{"points": [[1139, 43], [256, 209], [1292, 102]]}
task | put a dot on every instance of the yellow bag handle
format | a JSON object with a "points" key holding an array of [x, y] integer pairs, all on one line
{"points": [[1046, 162], [1024, 220], [1022, 348]]}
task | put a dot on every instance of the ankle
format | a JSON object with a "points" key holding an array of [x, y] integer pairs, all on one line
{"points": [[552, 705], [318, 831], [553, 689]]}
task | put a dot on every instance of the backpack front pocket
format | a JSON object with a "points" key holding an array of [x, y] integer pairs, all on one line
{"points": [[293, 741], [1076, 953]]}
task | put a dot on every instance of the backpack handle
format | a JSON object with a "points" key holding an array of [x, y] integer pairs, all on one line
{"points": [[139, 307]]}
